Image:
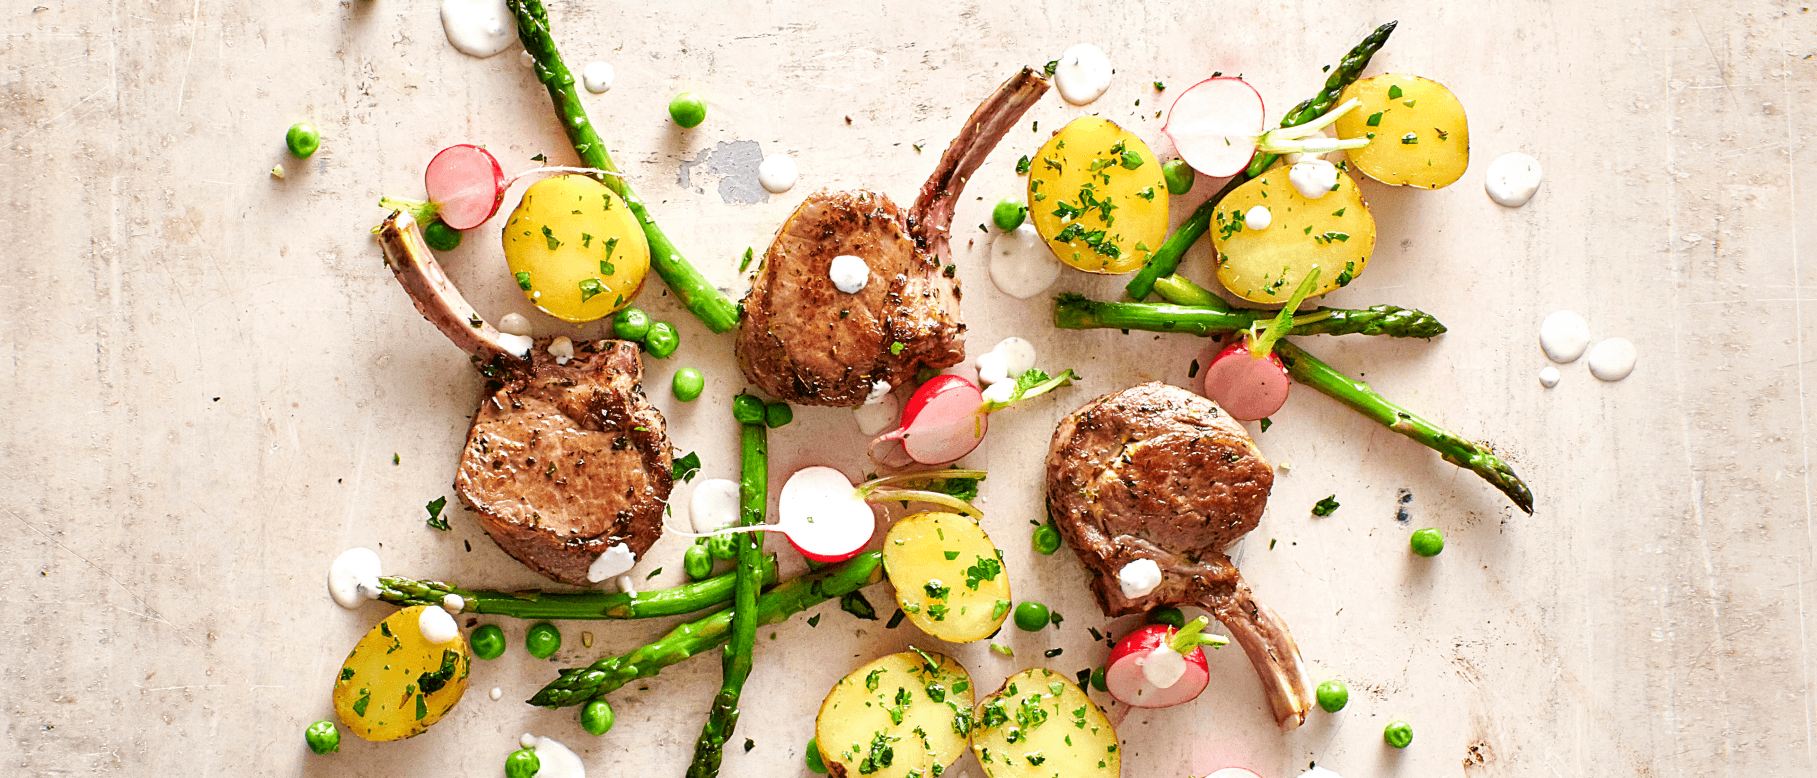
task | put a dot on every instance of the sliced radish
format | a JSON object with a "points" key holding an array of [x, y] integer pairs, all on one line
{"points": [[824, 516], [1216, 124], [467, 183], [941, 422], [1157, 666], [1246, 388]]}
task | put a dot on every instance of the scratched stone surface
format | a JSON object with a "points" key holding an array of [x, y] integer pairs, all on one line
{"points": [[211, 385]]}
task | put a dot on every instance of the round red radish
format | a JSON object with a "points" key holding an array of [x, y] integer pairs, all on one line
{"points": [[1127, 677], [1215, 125], [1246, 388], [941, 422], [466, 183], [824, 516]]}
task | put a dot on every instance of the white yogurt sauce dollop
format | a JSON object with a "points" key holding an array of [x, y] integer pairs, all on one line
{"points": [[597, 77], [1612, 359], [518, 345], [1007, 361], [478, 28], [562, 348], [1021, 265], [453, 603], [1512, 179], [1138, 578], [628, 585], [1258, 218], [1548, 376], [1313, 178], [849, 273], [437, 626], [1164, 667], [777, 173], [514, 323], [879, 411], [496, 694], [557, 760], [353, 577], [1563, 336], [1083, 74], [616, 559], [713, 505]]}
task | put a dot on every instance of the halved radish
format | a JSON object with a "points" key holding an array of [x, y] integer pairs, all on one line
{"points": [[941, 421], [468, 185], [1246, 388], [1157, 666], [1215, 123], [828, 519]]}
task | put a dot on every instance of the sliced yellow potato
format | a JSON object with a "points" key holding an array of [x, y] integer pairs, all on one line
{"points": [[1097, 196], [396, 683], [948, 576], [1416, 129], [1039, 725], [907, 715], [1335, 233], [574, 248]]}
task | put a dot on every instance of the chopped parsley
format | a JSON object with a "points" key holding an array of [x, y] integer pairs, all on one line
{"points": [[436, 519], [1325, 506]]}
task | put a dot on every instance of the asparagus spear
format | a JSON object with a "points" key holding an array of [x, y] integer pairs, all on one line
{"points": [[405, 592], [714, 309], [1180, 290], [1475, 457], [1075, 312], [581, 684], [1166, 258], [753, 494]]}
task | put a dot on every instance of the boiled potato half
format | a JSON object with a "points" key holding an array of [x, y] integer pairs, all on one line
{"points": [[948, 576], [396, 683], [575, 249], [1416, 130], [1335, 233], [1097, 196], [907, 714], [1039, 725]]}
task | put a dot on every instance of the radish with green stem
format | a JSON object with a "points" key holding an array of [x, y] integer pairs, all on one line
{"points": [[828, 519], [947, 417], [466, 186], [1246, 379], [1217, 127], [1158, 666]]}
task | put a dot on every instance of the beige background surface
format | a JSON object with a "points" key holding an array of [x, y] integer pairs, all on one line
{"points": [[206, 373]]}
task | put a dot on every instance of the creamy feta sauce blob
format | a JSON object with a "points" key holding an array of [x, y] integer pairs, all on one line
{"points": [[627, 584], [478, 28], [1258, 218], [1512, 179], [1548, 376], [713, 505], [1021, 266], [1612, 359], [437, 626], [353, 577], [615, 560], [514, 323], [562, 348], [1163, 667], [879, 411], [497, 694], [1139, 578], [557, 760], [849, 273], [777, 173], [1312, 178], [597, 77], [518, 345], [1083, 74], [1007, 361], [453, 603], [1563, 336]]}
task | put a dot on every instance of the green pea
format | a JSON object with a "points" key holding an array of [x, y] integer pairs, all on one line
{"points": [[1046, 539], [698, 562], [688, 384], [1008, 215], [778, 414], [441, 237], [1398, 734], [522, 763], [1179, 176], [1172, 617], [747, 409], [302, 139], [1031, 616], [813, 758], [1097, 680], [488, 642], [323, 737], [661, 340], [597, 717], [1333, 695], [722, 547], [542, 640], [631, 324], [688, 110], [1427, 542]]}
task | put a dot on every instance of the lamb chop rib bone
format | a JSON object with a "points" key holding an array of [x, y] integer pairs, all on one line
{"points": [[1156, 472], [932, 216]]}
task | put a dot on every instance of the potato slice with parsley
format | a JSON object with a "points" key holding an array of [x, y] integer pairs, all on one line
{"points": [[1038, 725], [948, 576], [1335, 232], [1416, 129], [396, 683], [907, 715], [1097, 196], [574, 248]]}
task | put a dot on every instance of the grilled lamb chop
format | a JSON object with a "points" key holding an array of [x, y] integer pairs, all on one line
{"points": [[804, 341], [1157, 472], [563, 461]]}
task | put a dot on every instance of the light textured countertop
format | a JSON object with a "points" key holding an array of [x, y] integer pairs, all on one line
{"points": [[208, 371]]}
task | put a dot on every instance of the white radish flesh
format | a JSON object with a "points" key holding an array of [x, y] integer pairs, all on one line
{"points": [[824, 515], [1246, 388], [467, 183], [941, 422], [1215, 125]]}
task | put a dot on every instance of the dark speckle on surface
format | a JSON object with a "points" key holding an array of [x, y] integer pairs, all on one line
{"points": [[1403, 497]]}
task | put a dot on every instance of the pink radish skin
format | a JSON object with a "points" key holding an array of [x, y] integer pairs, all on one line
{"points": [[1216, 124], [824, 516], [467, 184], [1247, 389], [941, 421], [1130, 685]]}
